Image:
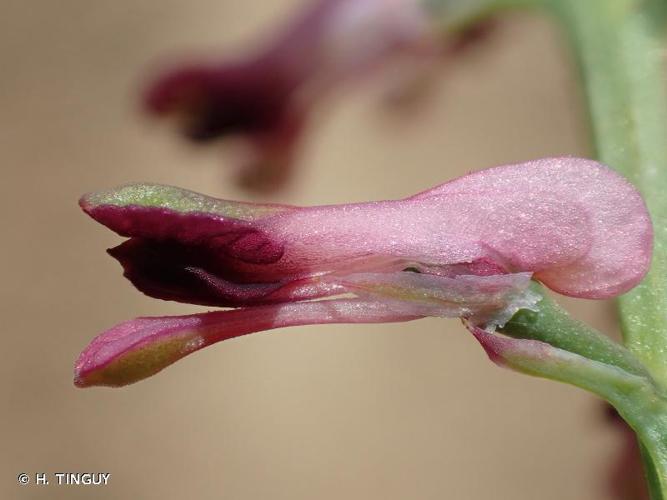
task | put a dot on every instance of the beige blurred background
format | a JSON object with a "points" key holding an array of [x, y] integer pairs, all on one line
{"points": [[358, 412]]}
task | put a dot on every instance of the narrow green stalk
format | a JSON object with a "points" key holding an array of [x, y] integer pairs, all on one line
{"points": [[553, 325], [580, 355], [647, 415], [652, 477]]}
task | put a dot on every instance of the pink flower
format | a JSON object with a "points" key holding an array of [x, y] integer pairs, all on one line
{"points": [[266, 98], [467, 248]]}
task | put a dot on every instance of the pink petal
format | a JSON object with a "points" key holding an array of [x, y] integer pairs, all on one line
{"points": [[579, 226], [614, 219]]}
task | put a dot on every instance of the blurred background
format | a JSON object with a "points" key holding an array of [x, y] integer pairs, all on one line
{"points": [[387, 412]]}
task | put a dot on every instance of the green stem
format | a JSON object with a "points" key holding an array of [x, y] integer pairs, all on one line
{"points": [[620, 49]]}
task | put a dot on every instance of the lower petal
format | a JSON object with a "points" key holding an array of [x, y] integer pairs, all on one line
{"points": [[139, 348]]}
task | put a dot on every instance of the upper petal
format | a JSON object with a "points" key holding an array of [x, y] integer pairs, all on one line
{"points": [[579, 227]]}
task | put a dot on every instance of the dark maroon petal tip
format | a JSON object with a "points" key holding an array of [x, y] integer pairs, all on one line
{"points": [[197, 274]]}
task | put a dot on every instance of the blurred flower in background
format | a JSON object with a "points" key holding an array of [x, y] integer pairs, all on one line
{"points": [[266, 99]]}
